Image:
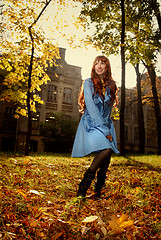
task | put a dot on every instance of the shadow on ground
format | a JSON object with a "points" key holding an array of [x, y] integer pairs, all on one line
{"points": [[131, 162]]}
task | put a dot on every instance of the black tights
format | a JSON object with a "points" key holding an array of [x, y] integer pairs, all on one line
{"points": [[102, 161]]}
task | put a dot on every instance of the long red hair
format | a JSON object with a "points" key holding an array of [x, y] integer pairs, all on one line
{"points": [[108, 81]]}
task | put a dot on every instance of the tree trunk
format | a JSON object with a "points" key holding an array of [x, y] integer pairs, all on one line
{"points": [[152, 75], [29, 130], [122, 109], [155, 6], [140, 113], [27, 148]]}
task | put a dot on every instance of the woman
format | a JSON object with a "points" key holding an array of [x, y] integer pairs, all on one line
{"points": [[96, 131]]}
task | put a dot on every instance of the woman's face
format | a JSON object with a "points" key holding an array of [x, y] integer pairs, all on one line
{"points": [[100, 68]]}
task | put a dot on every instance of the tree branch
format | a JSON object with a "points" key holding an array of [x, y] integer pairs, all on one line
{"points": [[47, 3]]}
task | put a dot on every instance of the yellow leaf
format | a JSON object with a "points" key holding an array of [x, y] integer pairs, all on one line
{"points": [[26, 162], [137, 189], [118, 224], [127, 224]]}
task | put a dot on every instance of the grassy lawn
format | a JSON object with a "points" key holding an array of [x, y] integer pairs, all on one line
{"points": [[38, 198]]}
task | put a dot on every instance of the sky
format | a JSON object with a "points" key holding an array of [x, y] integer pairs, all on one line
{"points": [[82, 57]]}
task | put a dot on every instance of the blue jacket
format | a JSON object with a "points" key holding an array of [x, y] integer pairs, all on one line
{"points": [[95, 124]]}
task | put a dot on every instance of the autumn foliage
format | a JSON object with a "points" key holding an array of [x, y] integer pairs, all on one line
{"points": [[19, 23], [38, 199]]}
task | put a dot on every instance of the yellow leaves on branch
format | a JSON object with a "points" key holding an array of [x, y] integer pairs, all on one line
{"points": [[15, 61], [23, 14], [20, 111], [37, 99], [4, 64]]}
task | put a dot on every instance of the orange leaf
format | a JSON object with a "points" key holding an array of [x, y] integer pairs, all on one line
{"points": [[33, 222], [22, 193], [118, 224]]}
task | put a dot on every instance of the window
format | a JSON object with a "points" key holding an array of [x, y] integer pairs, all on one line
{"points": [[9, 121], [126, 133], [67, 95], [35, 121], [9, 111], [33, 145], [136, 133], [150, 114], [127, 110], [150, 139], [151, 135], [52, 93], [135, 111]]}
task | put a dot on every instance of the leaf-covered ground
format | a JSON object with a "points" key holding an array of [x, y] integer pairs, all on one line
{"points": [[38, 198]]}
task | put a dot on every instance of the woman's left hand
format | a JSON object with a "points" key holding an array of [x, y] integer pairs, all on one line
{"points": [[109, 137]]}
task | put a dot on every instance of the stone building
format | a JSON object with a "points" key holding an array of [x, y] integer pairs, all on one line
{"points": [[132, 128], [59, 95]]}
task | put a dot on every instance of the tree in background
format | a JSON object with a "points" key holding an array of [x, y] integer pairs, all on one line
{"points": [[31, 33], [156, 105], [122, 108], [140, 111], [25, 57], [144, 46], [153, 6]]}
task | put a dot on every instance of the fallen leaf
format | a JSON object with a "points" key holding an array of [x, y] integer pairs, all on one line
{"points": [[104, 231], [84, 230], [36, 192], [90, 219], [56, 236], [118, 224], [137, 190], [22, 193], [33, 222], [26, 161]]}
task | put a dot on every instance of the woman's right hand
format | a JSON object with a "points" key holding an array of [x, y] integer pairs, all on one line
{"points": [[109, 137]]}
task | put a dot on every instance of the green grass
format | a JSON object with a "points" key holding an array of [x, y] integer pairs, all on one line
{"points": [[38, 198]]}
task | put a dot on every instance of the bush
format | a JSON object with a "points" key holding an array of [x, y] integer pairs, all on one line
{"points": [[58, 133]]}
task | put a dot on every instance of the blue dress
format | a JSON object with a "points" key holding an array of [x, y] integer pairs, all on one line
{"points": [[95, 124]]}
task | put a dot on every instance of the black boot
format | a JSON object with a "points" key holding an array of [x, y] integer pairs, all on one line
{"points": [[101, 177], [85, 183]]}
